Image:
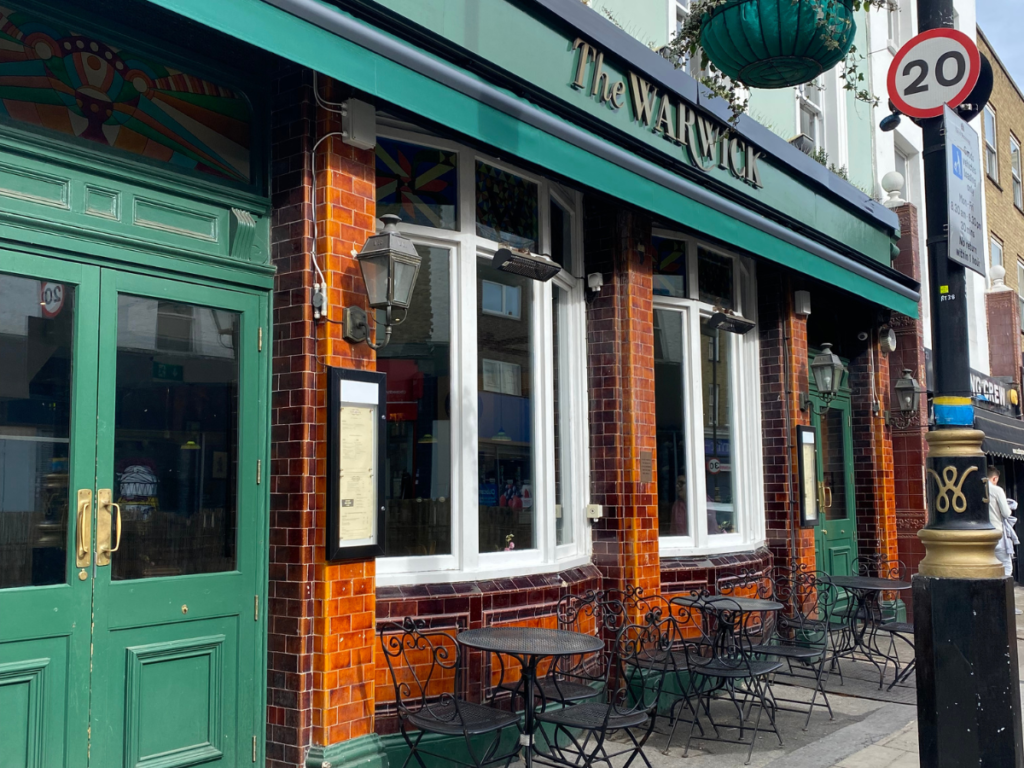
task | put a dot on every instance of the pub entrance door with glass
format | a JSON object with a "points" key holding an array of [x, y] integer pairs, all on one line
{"points": [[130, 427]]}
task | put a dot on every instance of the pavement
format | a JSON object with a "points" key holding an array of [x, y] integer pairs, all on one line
{"points": [[870, 729]]}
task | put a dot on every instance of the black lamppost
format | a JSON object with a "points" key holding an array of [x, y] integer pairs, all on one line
{"points": [[968, 698]]}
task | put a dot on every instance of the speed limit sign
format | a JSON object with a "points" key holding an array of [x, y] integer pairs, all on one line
{"points": [[936, 68]]}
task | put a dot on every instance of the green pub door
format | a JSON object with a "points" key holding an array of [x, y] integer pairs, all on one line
{"points": [[135, 285], [835, 538]]}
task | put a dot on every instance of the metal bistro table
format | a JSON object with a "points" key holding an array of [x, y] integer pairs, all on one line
{"points": [[528, 646], [715, 604], [861, 630]]}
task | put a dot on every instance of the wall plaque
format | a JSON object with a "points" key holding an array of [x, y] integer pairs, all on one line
{"points": [[357, 417], [646, 467]]}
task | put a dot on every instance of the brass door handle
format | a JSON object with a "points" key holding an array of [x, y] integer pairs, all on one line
{"points": [[117, 546], [829, 492], [83, 527], [104, 523]]}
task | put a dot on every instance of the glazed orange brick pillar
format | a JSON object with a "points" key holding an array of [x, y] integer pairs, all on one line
{"points": [[784, 382], [620, 352], [321, 616]]}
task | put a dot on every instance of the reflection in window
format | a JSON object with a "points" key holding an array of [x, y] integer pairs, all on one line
{"points": [[419, 454], [715, 279], [504, 419], [833, 453], [499, 299], [716, 362], [670, 417], [506, 207], [669, 267], [420, 184], [175, 438], [37, 323]]}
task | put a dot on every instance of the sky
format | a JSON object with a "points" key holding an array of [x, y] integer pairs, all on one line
{"points": [[1003, 25]]}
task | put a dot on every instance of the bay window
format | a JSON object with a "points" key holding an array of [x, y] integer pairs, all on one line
{"points": [[706, 388], [487, 433]]}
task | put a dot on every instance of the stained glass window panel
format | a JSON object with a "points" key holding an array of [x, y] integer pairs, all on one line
{"points": [[420, 184], [506, 207], [669, 267], [715, 279]]}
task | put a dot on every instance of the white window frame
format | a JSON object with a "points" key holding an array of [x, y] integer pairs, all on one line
{"points": [[995, 244], [893, 26], [466, 563], [678, 9], [1015, 173], [908, 171], [745, 414], [1020, 291], [817, 110], [990, 115]]}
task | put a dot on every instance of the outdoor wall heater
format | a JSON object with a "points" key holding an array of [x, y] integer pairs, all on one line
{"points": [[525, 264]]}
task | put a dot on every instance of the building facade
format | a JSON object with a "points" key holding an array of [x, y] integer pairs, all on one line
{"points": [[186, 188]]}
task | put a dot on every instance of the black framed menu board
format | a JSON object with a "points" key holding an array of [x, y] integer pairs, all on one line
{"points": [[356, 440]]}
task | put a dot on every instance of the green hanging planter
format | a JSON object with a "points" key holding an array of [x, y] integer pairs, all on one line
{"points": [[776, 43]]}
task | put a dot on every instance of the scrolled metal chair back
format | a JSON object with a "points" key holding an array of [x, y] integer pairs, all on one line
{"points": [[642, 658], [880, 566], [809, 598], [418, 661]]}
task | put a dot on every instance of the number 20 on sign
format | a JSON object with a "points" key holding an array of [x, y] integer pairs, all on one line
{"points": [[936, 68]]}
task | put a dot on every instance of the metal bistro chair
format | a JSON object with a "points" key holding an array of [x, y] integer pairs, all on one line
{"points": [[723, 666], [577, 735], [905, 632], [800, 636], [421, 662]]}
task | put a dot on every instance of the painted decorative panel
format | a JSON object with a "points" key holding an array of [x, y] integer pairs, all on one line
{"points": [[175, 702], [418, 183], [55, 78], [669, 267], [21, 702]]}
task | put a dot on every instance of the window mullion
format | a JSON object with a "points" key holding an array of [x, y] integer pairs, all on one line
{"points": [[695, 460]]}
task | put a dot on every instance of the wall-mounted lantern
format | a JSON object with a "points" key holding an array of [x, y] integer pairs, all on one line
{"points": [[389, 264], [827, 370], [908, 401]]}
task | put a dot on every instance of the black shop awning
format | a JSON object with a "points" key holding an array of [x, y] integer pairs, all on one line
{"points": [[1004, 435]]}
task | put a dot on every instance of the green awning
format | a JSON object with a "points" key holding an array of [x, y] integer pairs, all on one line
{"points": [[310, 45]]}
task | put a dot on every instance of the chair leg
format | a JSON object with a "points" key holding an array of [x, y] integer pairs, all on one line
{"points": [[413, 747]]}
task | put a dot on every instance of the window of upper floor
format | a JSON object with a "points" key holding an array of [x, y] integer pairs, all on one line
{"points": [[991, 146]]}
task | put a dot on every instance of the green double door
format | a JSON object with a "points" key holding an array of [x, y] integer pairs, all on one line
{"points": [[130, 429], [835, 538]]}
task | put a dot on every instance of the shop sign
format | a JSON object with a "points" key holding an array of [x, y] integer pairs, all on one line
{"points": [[991, 391], [705, 142]]}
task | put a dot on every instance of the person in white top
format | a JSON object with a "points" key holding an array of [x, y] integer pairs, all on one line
{"points": [[999, 510]]}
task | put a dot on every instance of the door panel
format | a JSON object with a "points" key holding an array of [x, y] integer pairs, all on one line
{"points": [[836, 535], [48, 333], [177, 445]]}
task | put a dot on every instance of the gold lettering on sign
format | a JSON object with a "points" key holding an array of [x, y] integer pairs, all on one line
{"points": [[948, 485], [707, 143], [663, 123], [586, 53], [643, 98]]}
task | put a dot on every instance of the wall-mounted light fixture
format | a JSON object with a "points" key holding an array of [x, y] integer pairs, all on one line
{"points": [[827, 370], [389, 264], [908, 401], [728, 322]]}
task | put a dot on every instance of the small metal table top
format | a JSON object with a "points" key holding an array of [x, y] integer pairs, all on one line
{"points": [[726, 603], [869, 583], [530, 641]]}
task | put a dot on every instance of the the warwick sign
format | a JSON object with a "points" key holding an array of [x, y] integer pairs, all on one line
{"points": [[707, 143]]}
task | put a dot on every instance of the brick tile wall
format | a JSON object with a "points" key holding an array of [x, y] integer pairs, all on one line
{"points": [[620, 350], [783, 342], [909, 447], [321, 636]]}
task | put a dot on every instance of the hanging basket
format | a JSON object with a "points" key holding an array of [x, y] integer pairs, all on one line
{"points": [[776, 43]]}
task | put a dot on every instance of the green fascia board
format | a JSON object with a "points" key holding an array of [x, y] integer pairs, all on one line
{"points": [[551, 66], [297, 40]]}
